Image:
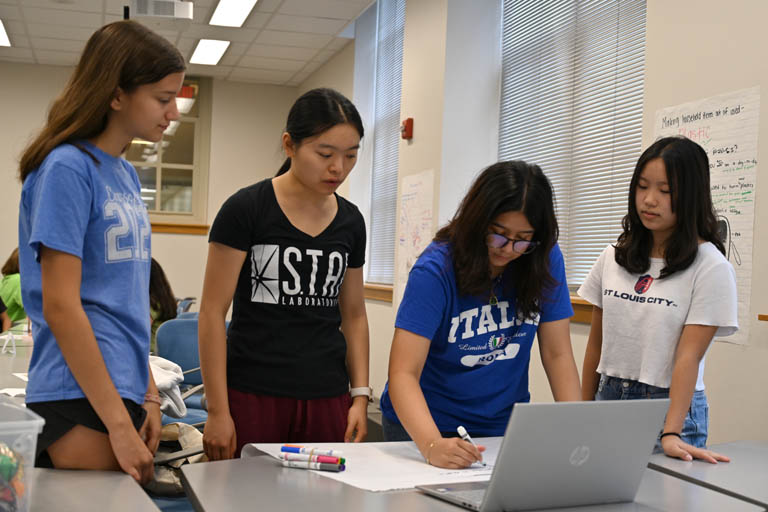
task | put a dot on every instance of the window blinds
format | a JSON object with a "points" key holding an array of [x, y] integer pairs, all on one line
{"points": [[571, 102], [386, 137]]}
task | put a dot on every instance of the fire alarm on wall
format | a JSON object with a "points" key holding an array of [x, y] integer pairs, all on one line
{"points": [[406, 129]]}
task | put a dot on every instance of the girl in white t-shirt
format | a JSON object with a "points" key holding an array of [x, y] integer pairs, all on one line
{"points": [[660, 296]]}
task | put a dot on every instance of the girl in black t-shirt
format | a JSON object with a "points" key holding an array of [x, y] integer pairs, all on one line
{"points": [[288, 253]]}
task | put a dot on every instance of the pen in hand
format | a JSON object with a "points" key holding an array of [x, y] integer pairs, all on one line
{"points": [[465, 436]]}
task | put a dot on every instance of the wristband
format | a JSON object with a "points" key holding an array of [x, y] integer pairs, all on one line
{"points": [[362, 391], [153, 398], [670, 434]]}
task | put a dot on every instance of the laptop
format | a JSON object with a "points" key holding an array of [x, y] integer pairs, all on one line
{"points": [[566, 454]]}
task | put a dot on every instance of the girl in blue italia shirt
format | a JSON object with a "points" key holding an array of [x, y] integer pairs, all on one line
{"points": [[85, 255], [491, 280]]}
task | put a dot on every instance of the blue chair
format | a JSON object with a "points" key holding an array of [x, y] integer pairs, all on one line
{"points": [[188, 314], [177, 342], [183, 305]]}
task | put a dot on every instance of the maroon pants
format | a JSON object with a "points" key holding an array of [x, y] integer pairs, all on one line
{"points": [[277, 419]]}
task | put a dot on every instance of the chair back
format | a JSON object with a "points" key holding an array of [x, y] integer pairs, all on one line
{"points": [[177, 342], [184, 304]]}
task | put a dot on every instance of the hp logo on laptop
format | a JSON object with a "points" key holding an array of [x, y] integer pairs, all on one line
{"points": [[579, 455]]}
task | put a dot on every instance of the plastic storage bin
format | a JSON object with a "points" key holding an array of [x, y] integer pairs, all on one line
{"points": [[19, 428]]}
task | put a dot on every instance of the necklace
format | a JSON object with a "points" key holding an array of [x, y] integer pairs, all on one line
{"points": [[492, 300]]}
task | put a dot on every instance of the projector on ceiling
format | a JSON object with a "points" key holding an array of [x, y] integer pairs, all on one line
{"points": [[162, 8]]}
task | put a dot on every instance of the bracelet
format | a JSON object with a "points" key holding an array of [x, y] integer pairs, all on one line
{"points": [[429, 451], [669, 434], [153, 398], [362, 391]]}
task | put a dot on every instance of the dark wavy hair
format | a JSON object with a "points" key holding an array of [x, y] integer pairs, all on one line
{"points": [[123, 54], [161, 298], [687, 168], [316, 111], [504, 187]]}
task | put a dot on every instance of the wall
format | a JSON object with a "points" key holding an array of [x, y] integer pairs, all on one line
{"points": [[688, 58], [27, 91], [246, 125]]}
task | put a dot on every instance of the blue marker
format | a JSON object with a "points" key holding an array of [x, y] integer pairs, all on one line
{"points": [[292, 448], [465, 436]]}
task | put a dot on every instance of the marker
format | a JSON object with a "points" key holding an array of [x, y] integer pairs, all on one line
{"points": [[312, 458], [465, 436], [313, 465], [293, 448]]}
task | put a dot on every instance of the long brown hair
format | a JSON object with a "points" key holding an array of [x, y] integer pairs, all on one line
{"points": [[11, 265], [123, 54], [161, 297], [513, 186]]}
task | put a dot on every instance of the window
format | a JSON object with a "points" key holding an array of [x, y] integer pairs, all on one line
{"points": [[386, 138], [174, 172], [571, 102]]}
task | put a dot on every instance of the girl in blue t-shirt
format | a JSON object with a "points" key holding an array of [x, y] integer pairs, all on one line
{"points": [[491, 280], [85, 254]]}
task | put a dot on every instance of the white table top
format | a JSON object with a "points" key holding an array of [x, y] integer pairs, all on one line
{"points": [[84, 491], [259, 482], [745, 477]]}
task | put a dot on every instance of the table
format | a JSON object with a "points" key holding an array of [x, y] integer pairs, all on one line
{"points": [[83, 491], [260, 483], [745, 477]]}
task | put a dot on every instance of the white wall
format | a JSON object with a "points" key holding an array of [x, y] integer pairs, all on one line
{"points": [[26, 92], [246, 125], [688, 57]]}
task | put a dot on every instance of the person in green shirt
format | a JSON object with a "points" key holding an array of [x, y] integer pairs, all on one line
{"points": [[10, 288]]}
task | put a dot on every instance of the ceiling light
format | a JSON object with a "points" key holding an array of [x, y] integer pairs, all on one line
{"points": [[209, 51], [184, 104], [232, 13], [4, 41]]}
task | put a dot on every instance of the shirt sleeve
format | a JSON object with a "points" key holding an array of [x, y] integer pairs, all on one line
{"points": [[232, 226], [714, 301], [591, 289], [557, 303], [60, 210], [357, 258], [425, 299]]}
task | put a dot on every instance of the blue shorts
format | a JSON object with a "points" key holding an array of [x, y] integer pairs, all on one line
{"points": [[696, 422]]}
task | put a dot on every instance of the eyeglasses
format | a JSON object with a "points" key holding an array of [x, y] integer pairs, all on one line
{"points": [[497, 241]]}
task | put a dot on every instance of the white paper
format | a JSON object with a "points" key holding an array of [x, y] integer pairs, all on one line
{"points": [[13, 391], [22, 376], [726, 126], [415, 224], [392, 466]]}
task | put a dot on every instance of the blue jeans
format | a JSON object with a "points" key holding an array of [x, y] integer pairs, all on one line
{"points": [[393, 431], [696, 422]]}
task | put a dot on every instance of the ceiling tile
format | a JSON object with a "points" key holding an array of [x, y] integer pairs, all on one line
{"points": [[6, 58], [322, 8], [323, 55], [338, 43], [242, 35], [229, 60], [267, 5], [61, 45], [57, 58], [257, 19], [306, 24], [19, 40], [18, 53], [70, 5], [59, 32], [281, 52], [91, 20], [260, 74], [300, 77], [293, 39], [312, 67], [9, 12], [250, 61], [14, 27], [217, 71], [237, 49], [185, 46]]}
